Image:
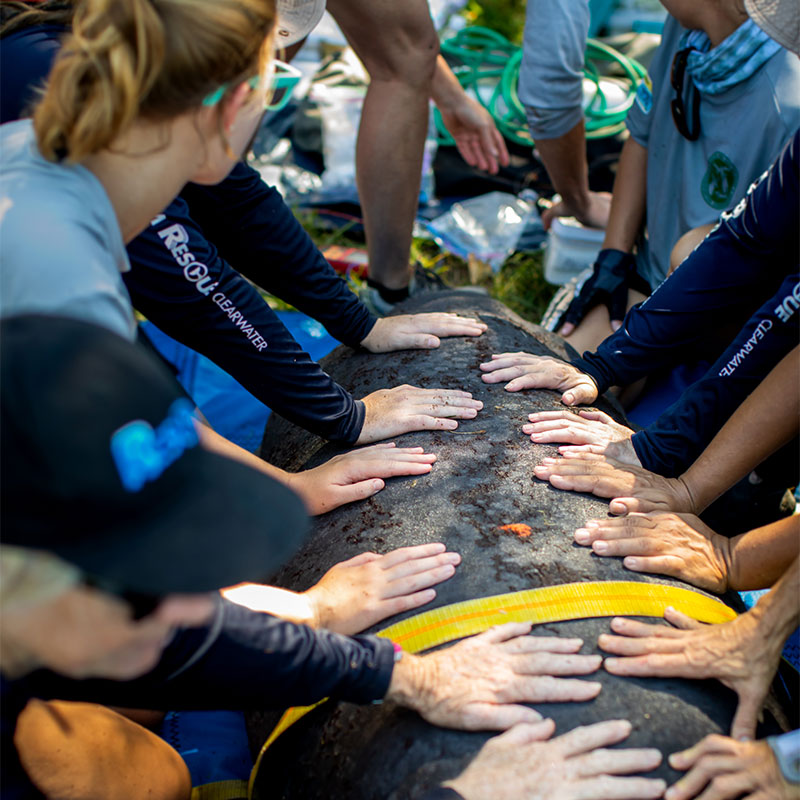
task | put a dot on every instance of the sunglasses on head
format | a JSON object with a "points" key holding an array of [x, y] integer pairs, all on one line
{"points": [[688, 126], [284, 78], [141, 604]]}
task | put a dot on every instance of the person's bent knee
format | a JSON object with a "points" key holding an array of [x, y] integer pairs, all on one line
{"points": [[408, 60], [83, 751], [684, 246], [398, 45]]}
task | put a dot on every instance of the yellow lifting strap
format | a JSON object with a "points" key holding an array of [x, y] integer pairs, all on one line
{"points": [[221, 790], [546, 604]]}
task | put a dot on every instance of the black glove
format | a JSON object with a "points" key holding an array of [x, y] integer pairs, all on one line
{"points": [[607, 286]]}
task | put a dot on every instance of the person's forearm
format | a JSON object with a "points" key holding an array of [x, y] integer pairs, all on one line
{"points": [[446, 91], [253, 660], [218, 444], [564, 158], [778, 611], [629, 198], [758, 558], [764, 422], [290, 606], [257, 233]]}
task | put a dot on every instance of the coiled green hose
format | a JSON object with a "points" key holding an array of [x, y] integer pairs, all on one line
{"points": [[482, 56]]}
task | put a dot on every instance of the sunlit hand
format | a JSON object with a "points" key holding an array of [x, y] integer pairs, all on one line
{"points": [[418, 331], [392, 412], [584, 428], [521, 763], [527, 371], [728, 769], [594, 214], [679, 545], [360, 592], [480, 143], [738, 653], [633, 488], [357, 475], [478, 683]]}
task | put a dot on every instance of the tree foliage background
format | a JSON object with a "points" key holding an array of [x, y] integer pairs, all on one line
{"points": [[504, 16]]}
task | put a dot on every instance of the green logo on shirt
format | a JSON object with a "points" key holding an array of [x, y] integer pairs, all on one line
{"points": [[719, 182]]}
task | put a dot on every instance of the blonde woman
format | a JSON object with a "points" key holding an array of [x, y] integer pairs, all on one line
{"points": [[179, 281]]}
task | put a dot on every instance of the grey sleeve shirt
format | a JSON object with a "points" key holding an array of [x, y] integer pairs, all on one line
{"points": [[551, 74], [60, 243]]}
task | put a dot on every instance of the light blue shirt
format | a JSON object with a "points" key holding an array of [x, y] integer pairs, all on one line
{"points": [[743, 129], [61, 249]]}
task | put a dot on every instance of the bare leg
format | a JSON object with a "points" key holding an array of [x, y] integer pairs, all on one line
{"points": [[596, 325], [88, 752], [398, 45]]}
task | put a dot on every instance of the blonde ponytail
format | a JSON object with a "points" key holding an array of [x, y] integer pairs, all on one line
{"points": [[144, 58]]}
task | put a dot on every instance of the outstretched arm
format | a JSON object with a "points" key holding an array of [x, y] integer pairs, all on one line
{"points": [[765, 421], [564, 158], [346, 478], [683, 546], [358, 593]]}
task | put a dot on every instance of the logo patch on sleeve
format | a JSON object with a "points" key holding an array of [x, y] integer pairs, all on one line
{"points": [[644, 94]]}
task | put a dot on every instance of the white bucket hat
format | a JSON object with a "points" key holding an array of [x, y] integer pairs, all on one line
{"points": [[779, 19], [296, 19]]}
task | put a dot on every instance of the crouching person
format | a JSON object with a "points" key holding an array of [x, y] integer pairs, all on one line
{"points": [[116, 532]]}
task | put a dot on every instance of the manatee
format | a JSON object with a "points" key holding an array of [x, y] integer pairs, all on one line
{"points": [[513, 532]]}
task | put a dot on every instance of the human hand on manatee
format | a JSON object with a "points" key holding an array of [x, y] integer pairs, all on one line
{"points": [[584, 428], [740, 653], [621, 451], [418, 331], [722, 768], [392, 412], [527, 371], [479, 683], [357, 475], [633, 488], [524, 762], [679, 545], [358, 593]]}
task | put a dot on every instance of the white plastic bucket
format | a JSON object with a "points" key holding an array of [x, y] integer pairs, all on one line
{"points": [[571, 248]]}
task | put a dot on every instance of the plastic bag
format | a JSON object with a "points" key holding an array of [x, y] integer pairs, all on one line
{"points": [[488, 226]]}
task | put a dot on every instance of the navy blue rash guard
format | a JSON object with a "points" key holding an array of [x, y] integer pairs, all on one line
{"points": [[245, 660], [186, 286], [25, 59], [745, 272]]}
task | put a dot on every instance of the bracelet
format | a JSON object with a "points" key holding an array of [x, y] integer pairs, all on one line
{"points": [[398, 654]]}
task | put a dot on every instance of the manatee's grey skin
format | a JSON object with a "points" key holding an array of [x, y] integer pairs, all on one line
{"points": [[481, 481]]}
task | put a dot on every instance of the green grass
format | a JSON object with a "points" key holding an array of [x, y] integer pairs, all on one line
{"points": [[520, 283]]}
